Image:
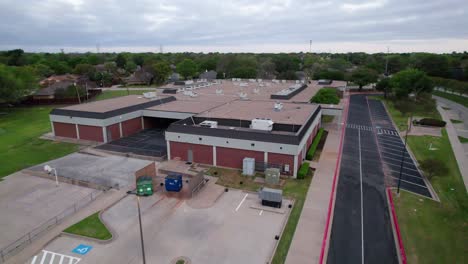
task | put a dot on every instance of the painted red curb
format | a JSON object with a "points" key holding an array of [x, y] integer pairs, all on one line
{"points": [[397, 228], [337, 168]]}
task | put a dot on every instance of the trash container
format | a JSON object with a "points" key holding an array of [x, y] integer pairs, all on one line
{"points": [[145, 186], [173, 182]]}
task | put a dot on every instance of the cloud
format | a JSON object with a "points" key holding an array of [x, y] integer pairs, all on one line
{"points": [[224, 25]]}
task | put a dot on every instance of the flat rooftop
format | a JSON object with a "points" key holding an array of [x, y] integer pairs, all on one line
{"points": [[111, 104], [291, 113], [192, 106]]}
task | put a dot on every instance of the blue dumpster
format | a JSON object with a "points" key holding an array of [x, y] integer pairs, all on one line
{"points": [[173, 182]]}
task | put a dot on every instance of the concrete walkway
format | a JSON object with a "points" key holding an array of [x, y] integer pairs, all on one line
{"points": [[307, 241], [457, 147], [103, 201]]}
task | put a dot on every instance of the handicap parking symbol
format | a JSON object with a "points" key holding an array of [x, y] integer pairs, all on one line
{"points": [[82, 249]]}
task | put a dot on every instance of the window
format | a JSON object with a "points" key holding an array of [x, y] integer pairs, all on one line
{"points": [[253, 144], [200, 139]]}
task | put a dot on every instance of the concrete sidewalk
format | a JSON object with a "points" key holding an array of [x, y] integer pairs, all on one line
{"points": [[307, 241], [103, 201], [457, 147]]}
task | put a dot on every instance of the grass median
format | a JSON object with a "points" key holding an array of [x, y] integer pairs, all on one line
{"points": [[453, 97], [434, 232], [92, 227], [20, 146]]}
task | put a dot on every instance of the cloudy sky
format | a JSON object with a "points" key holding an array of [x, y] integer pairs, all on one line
{"points": [[235, 25]]}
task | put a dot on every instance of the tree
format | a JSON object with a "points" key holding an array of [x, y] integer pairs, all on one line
{"points": [[244, 72], [121, 60], [161, 72], [130, 66], [410, 81], [383, 85], [326, 96], [329, 75], [15, 57], [266, 69], [84, 69], [16, 83], [433, 167], [42, 70], [363, 76], [187, 68]]}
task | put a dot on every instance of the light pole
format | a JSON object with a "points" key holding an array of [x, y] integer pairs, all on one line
{"points": [[77, 93], [408, 127], [141, 227], [49, 169]]}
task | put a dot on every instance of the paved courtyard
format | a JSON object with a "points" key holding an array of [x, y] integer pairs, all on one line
{"points": [[233, 230], [28, 201]]}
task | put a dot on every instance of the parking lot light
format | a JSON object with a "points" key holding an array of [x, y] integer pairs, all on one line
{"points": [[49, 169]]}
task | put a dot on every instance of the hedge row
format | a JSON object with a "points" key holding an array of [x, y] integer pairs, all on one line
{"points": [[430, 122], [313, 147], [303, 170]]}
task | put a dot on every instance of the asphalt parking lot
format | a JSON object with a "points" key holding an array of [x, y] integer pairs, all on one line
{"points": [[149, 142], [392, 148], [231, 231], [361, 227]]}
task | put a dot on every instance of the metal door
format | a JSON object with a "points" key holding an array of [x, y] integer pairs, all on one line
{"points": [[189, 155]]}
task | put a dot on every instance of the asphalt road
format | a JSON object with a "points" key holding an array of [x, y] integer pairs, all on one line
{"points": [[361, 228]]}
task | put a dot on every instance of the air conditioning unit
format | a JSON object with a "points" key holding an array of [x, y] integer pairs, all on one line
{"points": [[278, 107], [262, 124], [210, 124]]}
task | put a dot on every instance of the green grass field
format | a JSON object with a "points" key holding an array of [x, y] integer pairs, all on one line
{"points": [[401, 119], [112, 94], [20, 146], [463, 139], [91, 226], [434, 232], [456, 121], [452, 97]]}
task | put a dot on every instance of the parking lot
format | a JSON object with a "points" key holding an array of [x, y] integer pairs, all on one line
{"points": [[230, 231], [392, 148], [149, 142]]}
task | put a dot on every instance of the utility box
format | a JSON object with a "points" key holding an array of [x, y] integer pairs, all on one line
{"points": [[262, 124], [272, 175], [145, 186], [248, 166], [271, 197], [173, 182]]}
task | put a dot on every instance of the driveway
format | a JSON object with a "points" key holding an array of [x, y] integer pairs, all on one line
{"points": [[231, 231]]}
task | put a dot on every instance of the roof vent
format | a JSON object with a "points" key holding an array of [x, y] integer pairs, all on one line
{"points": [[149, 95], [278, 106]]}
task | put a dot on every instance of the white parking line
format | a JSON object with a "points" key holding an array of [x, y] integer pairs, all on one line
{"points": [[362, 199], [261, 212], [399, 160], [399, 165], [392, 145], [394, 150], [34, 260], [410, 182], [398, 155], [241, 202], [410, 175], [390, 140]]}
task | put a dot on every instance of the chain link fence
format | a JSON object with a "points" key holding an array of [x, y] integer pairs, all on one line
{"points": [[27, 239]]}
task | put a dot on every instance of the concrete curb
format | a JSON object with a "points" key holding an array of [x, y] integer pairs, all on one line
{"points": [[396, 229]]}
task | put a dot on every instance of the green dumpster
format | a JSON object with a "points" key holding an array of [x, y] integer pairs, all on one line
{"points": [[145, 186]]}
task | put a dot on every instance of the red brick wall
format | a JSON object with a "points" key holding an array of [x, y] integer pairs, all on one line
{"points": [[114, 132], [131, 126], [93, 133], [283, 159], [64, 130], [233, 158], [299, 158], [201, 153]]}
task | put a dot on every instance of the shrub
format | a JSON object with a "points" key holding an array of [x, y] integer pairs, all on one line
{"points": [[313, 147], [431, 122], [433, 167], [326, 96], [303, 170]]}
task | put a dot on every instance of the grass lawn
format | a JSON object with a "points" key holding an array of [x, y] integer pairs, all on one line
{"points": [[20, 146], [296, 189], [112, 94], [463, 139], [401, 119], [453, 97], [456, 121], [434, 232], [91, 226]]}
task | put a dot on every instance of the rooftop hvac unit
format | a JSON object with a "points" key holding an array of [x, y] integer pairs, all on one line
{"points": [[256, 91], [243, 96], [248, 166], [149, 95], [278, 107], [259, 80], [189, 82], [297, 81], [252, 80], [262, 124], [283, 81], [219, 91], [210, 124]]}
